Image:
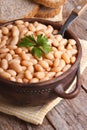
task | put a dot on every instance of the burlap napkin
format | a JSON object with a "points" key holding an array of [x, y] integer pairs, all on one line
{"points": [[36, 115]]}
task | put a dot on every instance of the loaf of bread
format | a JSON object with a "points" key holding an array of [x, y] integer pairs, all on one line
{"points": [[51, 3], [15, 9]]}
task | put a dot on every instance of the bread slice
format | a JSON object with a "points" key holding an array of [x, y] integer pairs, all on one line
{"points": [[46, 12], [57, 17], [51, 3], [15, 9]]}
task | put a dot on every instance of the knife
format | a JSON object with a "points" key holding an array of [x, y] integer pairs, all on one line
{"points": [[77, 11]]}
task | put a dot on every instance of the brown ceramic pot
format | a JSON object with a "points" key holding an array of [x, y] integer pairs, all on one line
{"points": [[39, 93]]}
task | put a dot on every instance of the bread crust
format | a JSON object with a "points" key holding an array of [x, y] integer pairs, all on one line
{"points": [[45, 12], [33, 13], [51, 3]]}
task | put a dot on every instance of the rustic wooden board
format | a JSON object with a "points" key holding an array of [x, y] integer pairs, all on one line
{"points": [[68, 114]]}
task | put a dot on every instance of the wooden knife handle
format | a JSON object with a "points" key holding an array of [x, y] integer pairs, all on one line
{"points": [[79, 10]]}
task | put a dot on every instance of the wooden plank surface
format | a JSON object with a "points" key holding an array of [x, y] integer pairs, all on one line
{"points": [[68, 114]]}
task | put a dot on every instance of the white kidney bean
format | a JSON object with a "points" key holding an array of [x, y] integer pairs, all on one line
{"points": [[38, 67], [73, 51], [15, 31], [49, 29], [24, 68], [45, 79], [29, 33], [57, 69], [49, 62], [19, 80], [13, 79], [23, 32], [74, 47], [69, 53], [11, 52], [31, 68], [40, 32], [55, 32], [26, 63], [4, 64], [1, 33], [1, 69], [9, 26], [50, 74], [34, 61], [20, 75], [5, 75], [36, 23], [15, 66], [58, 37], [58, 54], [14, 41], [14, 60], [28, 75], [25, 80], [12, 47], [18, 50], [69, 47], [31, 27], [40, 27], [44, 64], [66, 67], [66, 58], [72, 41], [20, 27], [55, 43], [39, 75], [3, 55], [73, 59], [5, 30], [50, 56], [56, 62], [63, 42], [61, 47], [26, 24], [62, 63], [58, 74], [34, 80], [4, 50], [11, 72], [24, 49], [25, 56], [19, 22]]}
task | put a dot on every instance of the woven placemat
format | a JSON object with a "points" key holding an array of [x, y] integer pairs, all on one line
{"points": [[36, 115]]}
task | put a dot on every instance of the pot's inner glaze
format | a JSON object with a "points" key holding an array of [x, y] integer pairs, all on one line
{"points": [[31, 53]]}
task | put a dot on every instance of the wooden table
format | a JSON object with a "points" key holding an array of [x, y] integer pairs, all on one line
{"points": [[68, 114]]}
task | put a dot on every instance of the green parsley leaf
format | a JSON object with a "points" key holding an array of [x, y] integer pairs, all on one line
{"points": [[46, 48], [26, 42], [37, 52], [31, 38], [41, 39], [39, 46]]}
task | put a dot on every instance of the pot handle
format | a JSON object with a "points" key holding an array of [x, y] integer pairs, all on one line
{"points": [[60, 89]]}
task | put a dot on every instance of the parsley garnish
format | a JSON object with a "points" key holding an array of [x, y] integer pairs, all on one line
{"points": [[39, 46]]}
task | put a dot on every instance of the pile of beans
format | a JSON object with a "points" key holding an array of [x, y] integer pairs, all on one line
{"points": [[19, 65]]}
